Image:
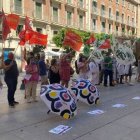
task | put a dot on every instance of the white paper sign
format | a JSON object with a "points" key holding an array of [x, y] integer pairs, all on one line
{"points": [[119, 105], [96, 112], [61, 129], [136, 98], [27, 76]]}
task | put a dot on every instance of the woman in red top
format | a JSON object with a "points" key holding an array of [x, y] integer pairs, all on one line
{"points": [[64, 69]]}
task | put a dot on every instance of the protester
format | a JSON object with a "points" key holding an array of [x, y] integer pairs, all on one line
{"points": [[64, 69], [54, 76], [83, 67], [11, 77], [43, 70], [121, 72], [128, 73], [101, 71], [114, 63], [94, 71], [108, 70], [31, 82], [138, 70]]}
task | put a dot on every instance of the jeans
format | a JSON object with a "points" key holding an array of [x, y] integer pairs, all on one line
{"points": [[12, 85], [106, 74]]}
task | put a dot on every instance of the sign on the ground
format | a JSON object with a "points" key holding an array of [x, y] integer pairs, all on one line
{"points": [[60, 129], [96, 112]]}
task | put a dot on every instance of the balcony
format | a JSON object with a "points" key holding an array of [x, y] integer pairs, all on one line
{"points": [[103, 14], [94, 29], [123, 21], [134, 24], [118, 20], [55, 21], [103, 30], [81, 6], [111, 17], [57, 1], [95, 11], [69, 23]]}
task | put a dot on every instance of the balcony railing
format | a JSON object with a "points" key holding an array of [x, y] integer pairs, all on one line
{"points": [[111, 16], [103, 30], [103, 13], [38, 15], [95, 10], [118, 19], [70, 3], [81, 5], [18, 10]]}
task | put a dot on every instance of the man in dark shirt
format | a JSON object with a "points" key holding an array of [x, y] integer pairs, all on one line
{"points": [[108, 69], [11, 76], [43, 69]]}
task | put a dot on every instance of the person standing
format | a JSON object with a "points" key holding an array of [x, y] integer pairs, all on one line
{"points": [[138, 69], [11, 77], [94, 70], [32, 80], [54, 76], [43, 70], [108, 70], [64, 69]]}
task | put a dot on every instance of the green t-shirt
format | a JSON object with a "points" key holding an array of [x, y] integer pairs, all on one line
{"points": [[108, 63]]}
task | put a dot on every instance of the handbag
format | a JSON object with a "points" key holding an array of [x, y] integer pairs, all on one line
{"points": [[22, 86]]}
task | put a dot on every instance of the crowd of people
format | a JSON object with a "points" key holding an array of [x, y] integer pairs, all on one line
{"points": [[107, 72]]}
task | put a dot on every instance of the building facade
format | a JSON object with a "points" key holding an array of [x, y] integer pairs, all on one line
{"points": [[120, 17]]}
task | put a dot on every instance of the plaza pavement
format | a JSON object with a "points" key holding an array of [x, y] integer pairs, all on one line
{"points": [[31, 121]]}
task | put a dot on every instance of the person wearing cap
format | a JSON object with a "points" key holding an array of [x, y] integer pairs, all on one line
{"points": [[11, 77], [43, 69]]}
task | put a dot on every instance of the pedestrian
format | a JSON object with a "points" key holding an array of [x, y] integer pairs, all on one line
{"points": [[11, 77], [54, 76], [138, 69], [64, 69], [128, 73], [83, 67], [94, 71], [121, 72], [43, 70], [31, 80], [108, 70]]}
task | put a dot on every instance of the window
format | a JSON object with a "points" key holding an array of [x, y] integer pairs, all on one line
{"points": [[55, 32], [55, 14], [94, 24], [103, 26], [117, 15], [19, 29], [38, 10], [103, 10], [117, 28], [122, 18], [69, 18], [18, 6], [39, 30], [128, 5], [81, 18], [128, 18], [109, 12], [69, 1], [123, 29], [1, 4], [110, 28], [117, 1], [94, 6], [123, 2], [81, 3]]}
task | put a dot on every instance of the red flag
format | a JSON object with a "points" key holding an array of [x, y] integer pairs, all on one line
{"points": [[105, 45], [38, 39], [91, 39], [73, 40], [5, 26], [25, 36], [27, 24], [13, 21]]}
